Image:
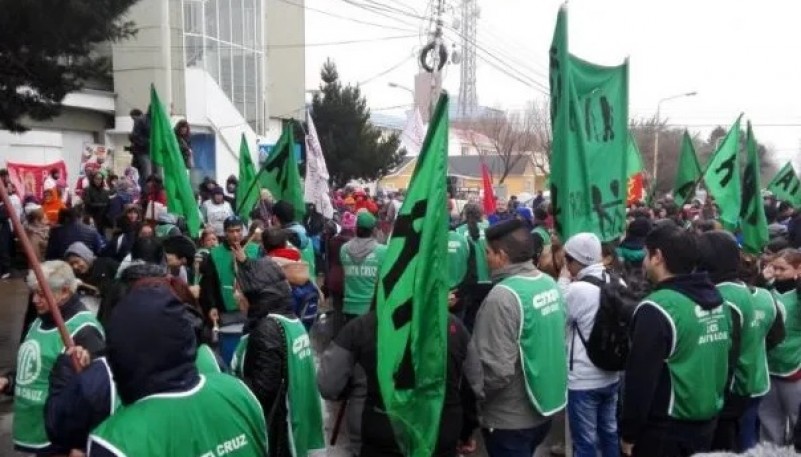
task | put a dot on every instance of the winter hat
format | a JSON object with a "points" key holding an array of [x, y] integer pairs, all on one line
{"points": [[365, 220], [638, 228], [585, 248], [348, 221], [80, 250], [180, 246], [719, 255]]}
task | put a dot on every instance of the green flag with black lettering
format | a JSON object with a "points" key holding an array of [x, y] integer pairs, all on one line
{"points": [[247, 192], [589, 119], [753, 223], [412, 308], [280, 173], [786, 186], [722, 178], [689, 172]]}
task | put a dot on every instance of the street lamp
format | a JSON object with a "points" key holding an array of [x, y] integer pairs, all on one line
{"points": [[398, 86], [656, 127]]}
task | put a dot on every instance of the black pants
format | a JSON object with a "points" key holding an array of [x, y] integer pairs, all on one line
{"points": [[727, 432], [675, 439], [6, 247]]}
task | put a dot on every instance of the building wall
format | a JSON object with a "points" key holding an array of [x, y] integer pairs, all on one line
{"points": [[286, 65]]}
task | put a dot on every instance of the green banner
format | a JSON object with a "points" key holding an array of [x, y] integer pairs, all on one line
{"points": [[164, 152], [247, 192], [722, 178], [412, 300], [688, 174], [589, 118], [786, 186], [280, 173], [753, 223]]}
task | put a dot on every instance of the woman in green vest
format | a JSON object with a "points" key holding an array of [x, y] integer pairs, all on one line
{"points": [[476, 284]]}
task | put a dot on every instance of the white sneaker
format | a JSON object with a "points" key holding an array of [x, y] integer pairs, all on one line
{"points": [[5, 276]]}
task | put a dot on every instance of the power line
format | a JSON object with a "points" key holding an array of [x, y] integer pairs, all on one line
{"points": [[388, 70], [346, 18], [281, 46]]}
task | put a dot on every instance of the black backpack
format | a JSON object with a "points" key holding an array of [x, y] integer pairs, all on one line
{"points": [[608, 342]]}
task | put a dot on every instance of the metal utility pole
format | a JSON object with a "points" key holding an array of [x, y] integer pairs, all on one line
{"points": [[657, 127], [468, 97]]}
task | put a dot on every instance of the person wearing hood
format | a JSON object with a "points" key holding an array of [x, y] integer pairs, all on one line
{"points": [[38, 353], [263, 209], [216, 211], [521, 347], [284, 217], [96, 201], [683, 351], [540, 227], [37, 230], [118, 204], [218, 275], [231, 185], [274, 358], [52, 206], [128, 225], [179, 254], [761, 330], [71, 229], [361, 259], [632, 249], [335, 274], [169, 408], [167, 226], [96, 274]]}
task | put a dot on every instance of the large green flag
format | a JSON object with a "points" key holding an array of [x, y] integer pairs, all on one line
{"points": [[247, 192], [722, 177], [589, 118], [165, 153], [689, 172], [786, 186], [753, 223], [280, 173], [412, 298]]}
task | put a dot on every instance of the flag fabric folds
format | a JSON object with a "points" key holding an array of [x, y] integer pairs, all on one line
{"points": [[316, 189], [722, 178], [589, 119], [165, 153], [688, 174], [247, 192], [786, 186], [753, 223], [412, 309], [489, 193], [280, 174], [636, 189]]}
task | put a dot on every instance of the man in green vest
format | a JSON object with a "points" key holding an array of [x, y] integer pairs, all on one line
{"points": [[682, 353], [520, 339], [477, 283], [218, 275], [762, 329], [38, 353], [361, 259], [284, 217], [168, 408]]}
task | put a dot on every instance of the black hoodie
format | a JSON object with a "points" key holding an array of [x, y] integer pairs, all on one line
{"points": [[647, 386]]}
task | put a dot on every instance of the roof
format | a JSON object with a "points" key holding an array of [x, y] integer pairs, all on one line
{"points": [[471, 137], [471, 165]]}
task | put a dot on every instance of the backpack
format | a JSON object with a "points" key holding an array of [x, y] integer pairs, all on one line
{"points": [[306, 302], [608, 342]]}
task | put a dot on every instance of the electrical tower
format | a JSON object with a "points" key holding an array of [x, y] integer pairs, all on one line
{"points": [[468, 97]]}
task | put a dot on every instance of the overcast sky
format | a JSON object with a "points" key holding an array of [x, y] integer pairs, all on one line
{"points": [[740, 56]]}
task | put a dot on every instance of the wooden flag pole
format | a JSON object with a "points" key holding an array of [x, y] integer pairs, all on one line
{"points": [[33, 260]]}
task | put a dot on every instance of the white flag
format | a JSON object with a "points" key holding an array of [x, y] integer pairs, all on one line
{"points": [[316, 189], [414, 133]]}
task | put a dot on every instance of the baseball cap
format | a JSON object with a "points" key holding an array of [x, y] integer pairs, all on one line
{"points": [[365, 220], [585, 248]]}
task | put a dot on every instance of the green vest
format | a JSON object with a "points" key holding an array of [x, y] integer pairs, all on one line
{"points": [[757, 313], [541, 337], [35, 360], [219, 416], [360, 279], [699, 359], [224, 264], [163, 230], [543, 233], [305, 415], [206, 361], [785, 358], [480, 248], [458, 252]]}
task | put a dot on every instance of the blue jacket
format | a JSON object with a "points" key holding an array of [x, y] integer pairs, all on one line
{"points": [[61, 237]]}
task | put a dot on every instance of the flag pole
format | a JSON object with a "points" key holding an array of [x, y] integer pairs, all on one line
{"points": [[33, 260]]}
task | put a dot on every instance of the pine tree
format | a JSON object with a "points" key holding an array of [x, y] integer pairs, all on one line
{"points": [[48, 50], [353, 147]]}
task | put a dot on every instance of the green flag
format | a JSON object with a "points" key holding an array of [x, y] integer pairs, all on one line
{"points": [[689, 172], [412, 308], [247, 192], [280, 173], [786, 186], [722, 177], [165, 153], [634, 163], [589, 119], [753, 223]]}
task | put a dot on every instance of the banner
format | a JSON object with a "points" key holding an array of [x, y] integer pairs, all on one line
{"points": [[753, 223], [412, 300], [280, 173], [29, 179], [786, 186], [413, 133], [688, 174], [489, 193], [636, 188], [722, 178], [316, 184], [589, 119]]}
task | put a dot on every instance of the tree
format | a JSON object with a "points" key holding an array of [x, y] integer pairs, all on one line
{"points": [[538, 118], [512, 135], [353, 147], [48, 51]]}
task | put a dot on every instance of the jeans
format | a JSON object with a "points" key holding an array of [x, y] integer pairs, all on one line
{"points": [[749, 425], [515, 443], [593, 423]]}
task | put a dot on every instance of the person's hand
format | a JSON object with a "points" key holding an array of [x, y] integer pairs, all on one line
{"points": [[214, 315], [195, 290], [239, 253], [626, 448], [467, 447], [81, 355], [77, 453]]}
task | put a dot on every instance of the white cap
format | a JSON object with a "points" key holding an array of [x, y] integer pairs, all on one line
{"points": [[585, 248]]}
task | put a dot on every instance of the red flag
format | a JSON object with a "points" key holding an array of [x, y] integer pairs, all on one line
{"points": [[636, 189], [489, 194]]}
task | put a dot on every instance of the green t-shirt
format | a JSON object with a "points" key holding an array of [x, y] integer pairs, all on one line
{"points": [[360, 279], [785, 358], [224, 264], [219, 416]]}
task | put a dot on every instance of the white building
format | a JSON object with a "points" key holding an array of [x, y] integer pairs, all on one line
{"points": [[227, 66]]}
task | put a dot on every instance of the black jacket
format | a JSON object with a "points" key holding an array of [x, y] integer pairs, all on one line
{"points": [[647, 387], [62, 236], [120, 287], [356, 345]]}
